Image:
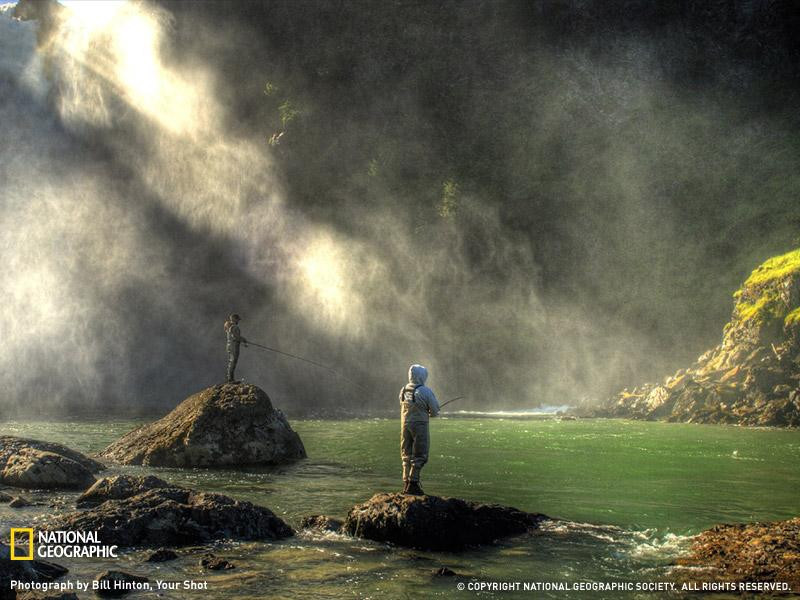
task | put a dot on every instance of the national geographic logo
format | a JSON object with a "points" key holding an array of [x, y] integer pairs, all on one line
{"points": [[57, 544], [25, 533]]}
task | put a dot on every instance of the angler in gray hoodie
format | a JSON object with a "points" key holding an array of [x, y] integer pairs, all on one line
{"points": [[417, 404]]}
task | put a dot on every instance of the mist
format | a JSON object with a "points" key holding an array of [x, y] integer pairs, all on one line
{"points": [[539, 205]]}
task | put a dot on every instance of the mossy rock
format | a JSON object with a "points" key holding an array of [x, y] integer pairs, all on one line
{"points": [[771, 293]]}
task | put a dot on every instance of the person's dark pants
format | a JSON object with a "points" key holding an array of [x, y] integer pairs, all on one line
{"points": [[414, 448], [233, 358]]}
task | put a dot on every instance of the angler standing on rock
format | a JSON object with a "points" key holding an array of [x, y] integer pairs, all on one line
{"points": [[417, 404], [234, 338]]}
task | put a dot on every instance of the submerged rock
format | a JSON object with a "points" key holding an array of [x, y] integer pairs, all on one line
{"points": [[118, 487], [162, 555], [4, 498], [114, 584], [34, 464], [230, 424], [444, 572], [434, 523], [751, 378], [752, 552], [175, 516], [19, 502], [321, 523], [215, 563], [24, 570]]}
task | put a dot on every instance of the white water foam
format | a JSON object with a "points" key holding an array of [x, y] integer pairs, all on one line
{"points": [[648, 544]]}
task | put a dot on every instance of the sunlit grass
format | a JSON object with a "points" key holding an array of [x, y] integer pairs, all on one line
{"points": [[760, 301], [776, 267]]}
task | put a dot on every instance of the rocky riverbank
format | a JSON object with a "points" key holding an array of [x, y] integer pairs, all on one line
{"points": [[751, 552], [751, 378]]}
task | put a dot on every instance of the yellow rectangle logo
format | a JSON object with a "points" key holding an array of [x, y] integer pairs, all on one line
{"points": [[15, 532]]}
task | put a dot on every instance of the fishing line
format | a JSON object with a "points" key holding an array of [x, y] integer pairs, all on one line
{"points": [[311, 362]]}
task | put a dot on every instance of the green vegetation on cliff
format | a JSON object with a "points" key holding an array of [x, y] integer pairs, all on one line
{"points": [[761, 299], [775, 268]]}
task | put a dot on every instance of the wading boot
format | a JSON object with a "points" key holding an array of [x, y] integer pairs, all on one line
{"points": [[414, 489]]}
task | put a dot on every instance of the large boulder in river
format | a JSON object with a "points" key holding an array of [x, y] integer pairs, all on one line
{"points": [[36, 469], [751, 378], [434, 523], [229, 424], [35, 464], [175, 516]]}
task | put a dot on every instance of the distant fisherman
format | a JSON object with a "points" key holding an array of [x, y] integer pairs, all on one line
{"points": [[234, 338], [417, 404]]}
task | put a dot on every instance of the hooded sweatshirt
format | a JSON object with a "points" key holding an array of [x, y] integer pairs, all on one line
{"points": [[417, 401]]}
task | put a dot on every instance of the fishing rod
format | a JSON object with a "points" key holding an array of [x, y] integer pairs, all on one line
{"points": [[308, 360], [449, 401]]}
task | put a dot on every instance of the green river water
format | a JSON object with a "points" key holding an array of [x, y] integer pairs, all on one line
{"points": [[631, 494]]}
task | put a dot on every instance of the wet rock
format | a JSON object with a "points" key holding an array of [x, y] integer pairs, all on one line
{"points": [[5, 498], [118, 487], [230, 424], [24, 570], [434, 523], [35, 464], [114, 584], [444, 572], [162, 555], [10, 445], [175, 516], [20, 502], [214, 563], [321, 523], [38, 469], [753, 552]]}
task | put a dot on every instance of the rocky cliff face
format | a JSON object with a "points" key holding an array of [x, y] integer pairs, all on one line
{"points": [[751, 378]]}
